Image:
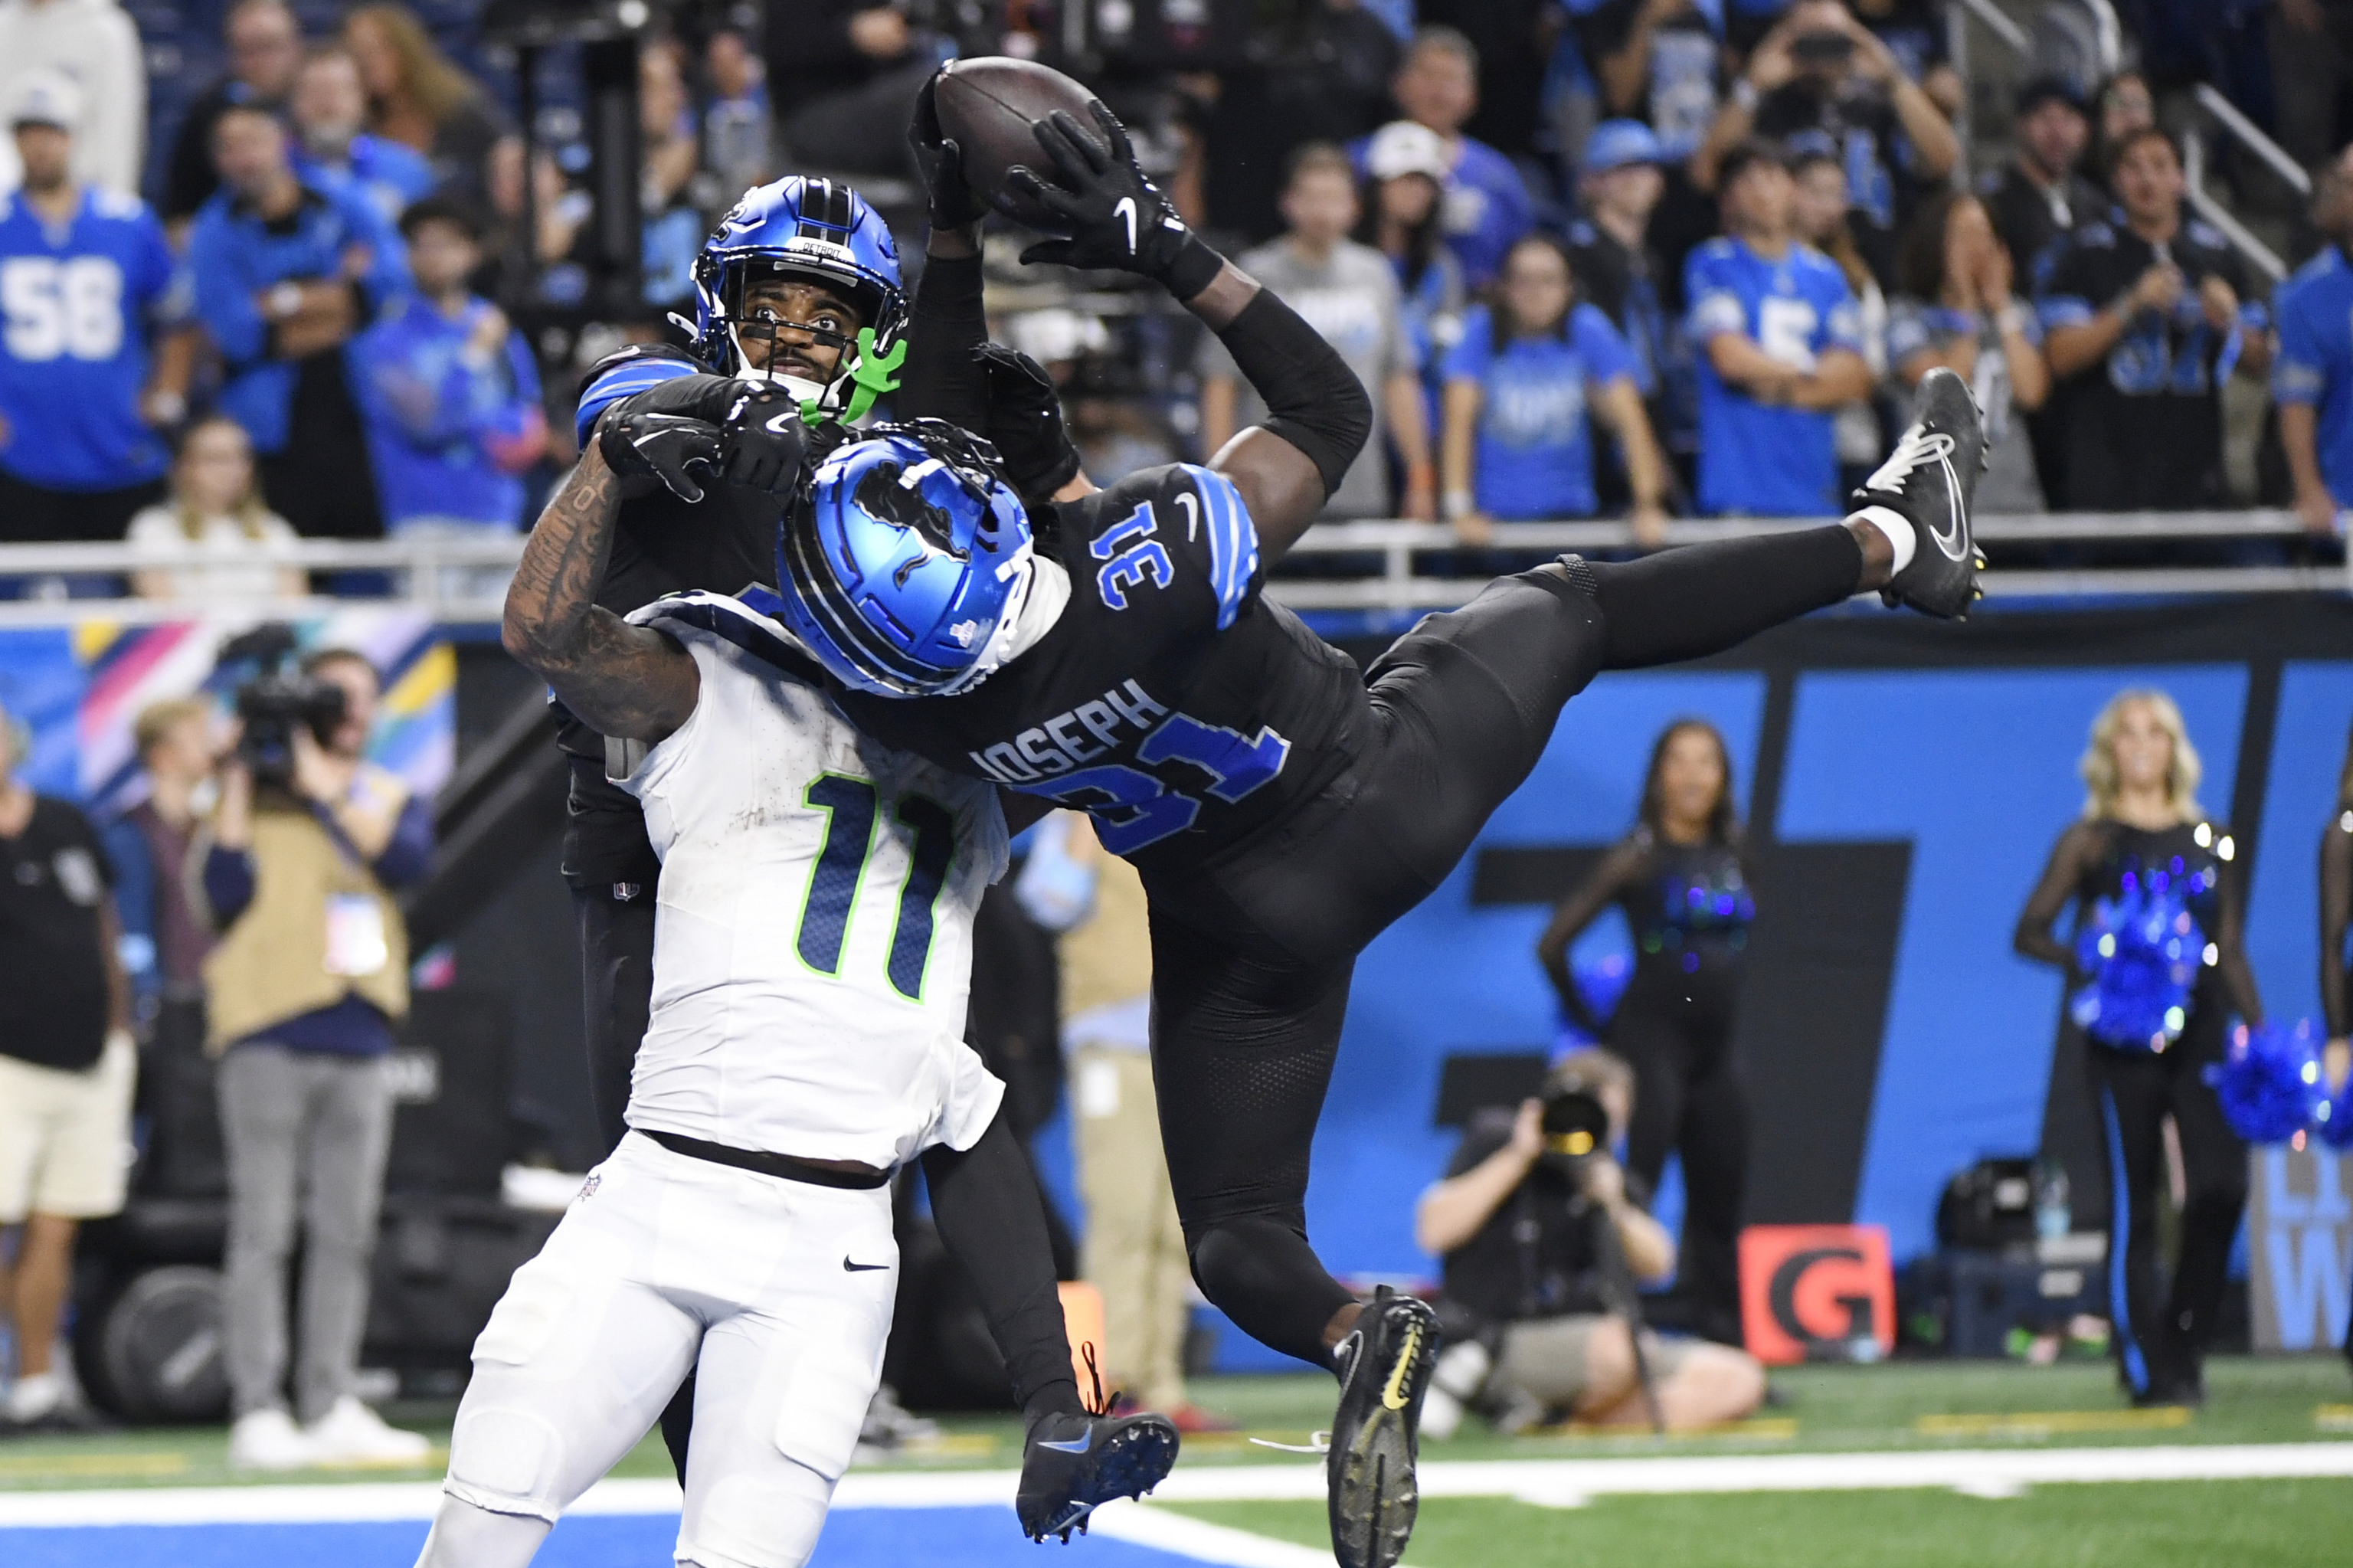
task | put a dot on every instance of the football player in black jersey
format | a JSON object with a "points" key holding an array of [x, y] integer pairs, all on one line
{"points": [[1114, 653], [702, 446]]}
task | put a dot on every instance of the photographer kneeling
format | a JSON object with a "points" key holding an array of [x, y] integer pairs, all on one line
{"points": [[1530, 1270], [311, 974]]}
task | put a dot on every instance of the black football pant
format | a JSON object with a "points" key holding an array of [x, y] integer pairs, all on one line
{"points": [[2160, 1337], [1688, 1100], [1252, 952]]}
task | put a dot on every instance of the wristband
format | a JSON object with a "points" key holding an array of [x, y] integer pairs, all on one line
{"points": [[1458, 503], [1193, 268], [2014, 317], [1745, 95], [284, 300]]}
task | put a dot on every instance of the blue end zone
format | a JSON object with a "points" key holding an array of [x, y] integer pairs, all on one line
{"points": [[854, 1538]]}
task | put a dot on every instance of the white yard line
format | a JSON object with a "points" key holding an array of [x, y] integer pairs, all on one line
{"points": [[1552, 1482]]}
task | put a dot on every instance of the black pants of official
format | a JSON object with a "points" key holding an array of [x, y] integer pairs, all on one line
{"points": [[1689, 1099], [2161, 1336], [1252, 954]]}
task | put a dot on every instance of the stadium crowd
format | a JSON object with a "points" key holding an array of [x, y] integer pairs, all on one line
{"points": [[1616, 257]]}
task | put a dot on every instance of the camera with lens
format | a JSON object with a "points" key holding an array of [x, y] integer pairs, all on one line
{"points": [[1575, 1122], [272, 708]]}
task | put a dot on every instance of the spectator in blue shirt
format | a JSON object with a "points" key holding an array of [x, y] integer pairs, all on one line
{"points": [[449, 389], [2312, 379], [329, 108], [1519, 388], [94, 358], [288, 269], [1780, 346], [1486, 207]]}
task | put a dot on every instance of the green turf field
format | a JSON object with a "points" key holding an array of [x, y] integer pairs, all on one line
{"points": [[1920, 1405], [2202, 1524]]}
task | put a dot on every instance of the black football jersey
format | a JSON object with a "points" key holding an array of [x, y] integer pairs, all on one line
{"points": [[2146, 424], [1171, 700]]}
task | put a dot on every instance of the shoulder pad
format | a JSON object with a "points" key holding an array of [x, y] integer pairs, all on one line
{"points": [[115, 203], [1718, 248], [635, 353], [733, 621]]}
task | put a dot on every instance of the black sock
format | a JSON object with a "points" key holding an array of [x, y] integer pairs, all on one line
{"points": [[1262, 1273]]}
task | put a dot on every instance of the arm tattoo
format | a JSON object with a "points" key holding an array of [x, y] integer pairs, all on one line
{"points": [[620, 680]]}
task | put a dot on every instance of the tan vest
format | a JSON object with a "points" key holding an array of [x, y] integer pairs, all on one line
{"points": [[1109, 959], [271, 964]]}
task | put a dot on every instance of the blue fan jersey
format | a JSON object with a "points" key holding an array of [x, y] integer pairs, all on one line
{"points": [[1536, 436], [81, 301], [1169, 700], [389, 173], [1769, 461], [236, 256], [449, 437], [2315, 310]]}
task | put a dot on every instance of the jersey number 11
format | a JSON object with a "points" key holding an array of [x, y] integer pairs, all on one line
{"points": [[853, 808]]}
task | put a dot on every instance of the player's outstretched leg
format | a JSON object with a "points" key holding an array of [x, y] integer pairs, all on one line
{"points": [[1072, 1465], [1386, 1363], [1928, 481]]}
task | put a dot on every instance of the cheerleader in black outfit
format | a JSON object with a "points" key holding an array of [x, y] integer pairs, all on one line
{"points": [[2142, 836], [2336, 914], [1678, 877]]}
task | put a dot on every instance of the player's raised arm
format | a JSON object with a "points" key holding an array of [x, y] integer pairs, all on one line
{"points": [[620, 680], [1318, 415]]}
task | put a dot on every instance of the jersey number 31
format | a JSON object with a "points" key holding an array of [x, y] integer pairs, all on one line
{"points": [[853, 808]]}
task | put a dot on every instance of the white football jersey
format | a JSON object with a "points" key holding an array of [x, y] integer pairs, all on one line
{"points": [[813, 934]]}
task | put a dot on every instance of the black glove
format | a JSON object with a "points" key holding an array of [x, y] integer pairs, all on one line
{"points": [[1118, 219], [762, 444], [698, 396], [1025, 424], [953, 205], [665, 446]]}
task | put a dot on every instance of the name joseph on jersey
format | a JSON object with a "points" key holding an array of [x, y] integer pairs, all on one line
{"points": [[1051, 748]]}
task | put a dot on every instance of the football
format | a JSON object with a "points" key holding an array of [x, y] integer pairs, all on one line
{"points": [[987, 107]]}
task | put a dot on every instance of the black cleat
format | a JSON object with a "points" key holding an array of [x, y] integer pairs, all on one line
{"points": [[1072, 1465], [1930, 478], [1389, 1355]]}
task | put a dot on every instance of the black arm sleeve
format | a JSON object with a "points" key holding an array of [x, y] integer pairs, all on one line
{"points": [[1314, 400], [1604, 887], [2335, 910], [992, 1219], [942, 380], [2070, 858], [2230, 940]]}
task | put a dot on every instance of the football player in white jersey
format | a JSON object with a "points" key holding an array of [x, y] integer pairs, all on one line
{"points": [[812, 956]]}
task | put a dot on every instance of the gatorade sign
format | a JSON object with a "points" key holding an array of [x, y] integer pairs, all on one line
{"points": [[1816, 1293]]}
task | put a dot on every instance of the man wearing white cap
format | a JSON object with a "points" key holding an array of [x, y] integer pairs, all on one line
{"points": [[94, 360], [93, 45]]}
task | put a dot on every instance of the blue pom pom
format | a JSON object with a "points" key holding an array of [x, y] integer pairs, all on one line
{"points": [[1601, 982], [2142, 950], [2269, 1082]]}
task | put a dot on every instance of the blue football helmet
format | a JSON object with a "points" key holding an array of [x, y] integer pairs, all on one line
{"points": [[906, 572], [804, 228]]}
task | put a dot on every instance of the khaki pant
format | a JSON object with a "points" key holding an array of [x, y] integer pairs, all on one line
{"points": [[1134, 1251]]}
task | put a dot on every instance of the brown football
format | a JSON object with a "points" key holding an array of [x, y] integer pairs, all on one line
{"points": [[987, 107]]}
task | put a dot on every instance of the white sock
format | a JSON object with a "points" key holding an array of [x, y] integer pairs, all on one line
{"points": [[34, 1396], [1898, 528]]}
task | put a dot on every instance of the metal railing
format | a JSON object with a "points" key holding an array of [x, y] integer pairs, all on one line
{"points": [[1407, 566]]}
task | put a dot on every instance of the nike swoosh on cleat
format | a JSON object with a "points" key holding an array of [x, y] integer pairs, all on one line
{"points": [[1393, 1395], [1948, 540], [1076, 1446], [851, 1267]]}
